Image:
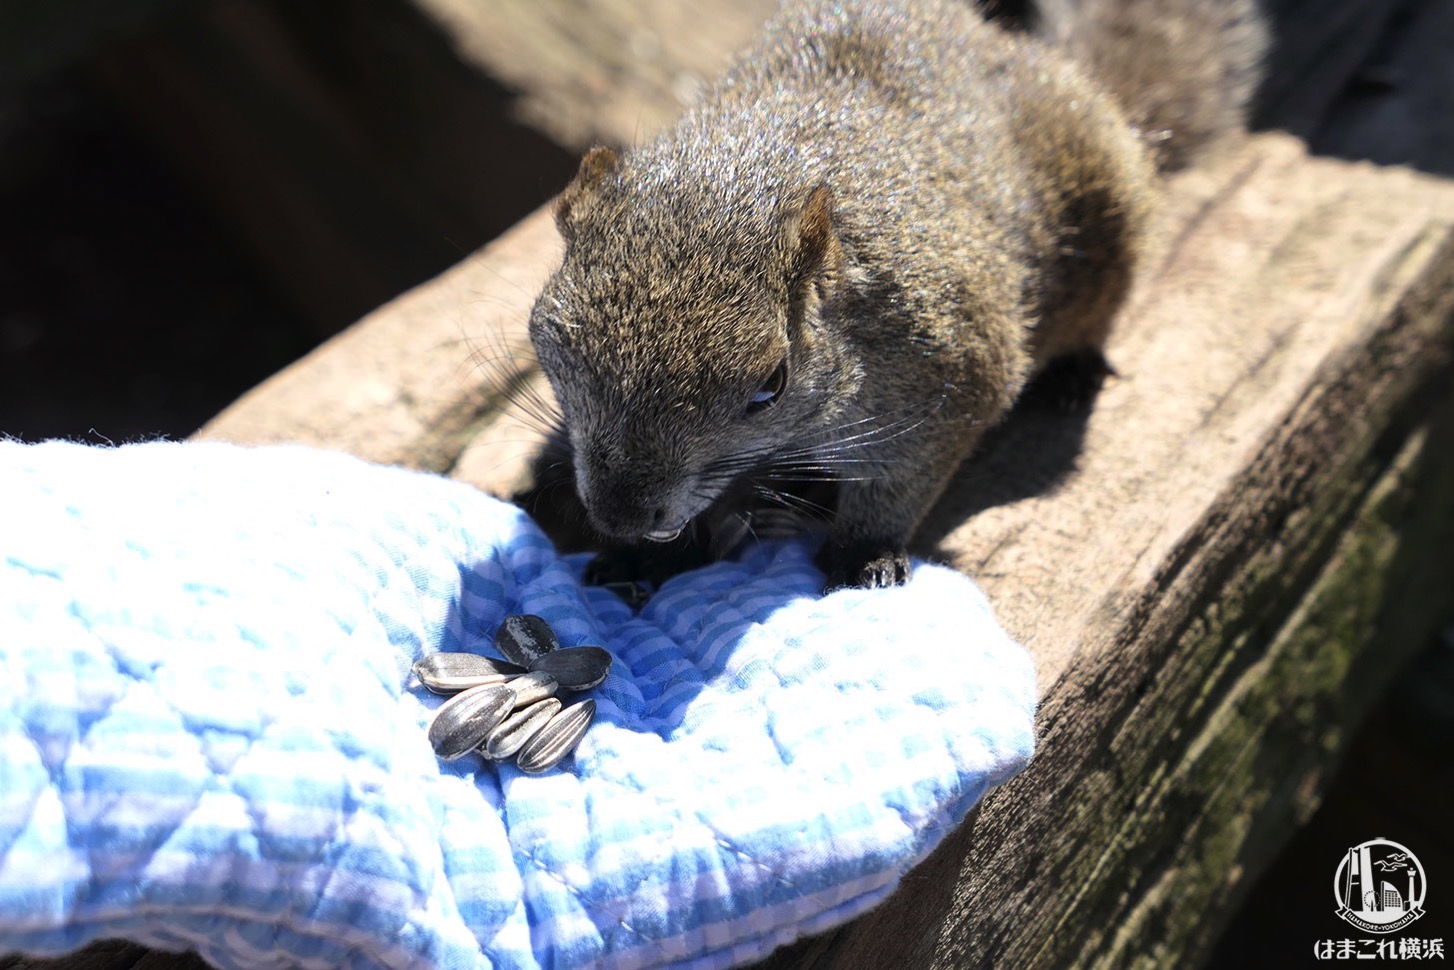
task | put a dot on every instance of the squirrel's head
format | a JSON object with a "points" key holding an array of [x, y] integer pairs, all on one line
{"points": [[684, 336]]}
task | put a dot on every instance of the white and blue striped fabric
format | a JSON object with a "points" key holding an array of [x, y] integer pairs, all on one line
{"points": [[210, 738]]}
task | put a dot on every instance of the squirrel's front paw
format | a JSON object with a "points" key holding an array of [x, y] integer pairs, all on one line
{"points": [[863, 567]]}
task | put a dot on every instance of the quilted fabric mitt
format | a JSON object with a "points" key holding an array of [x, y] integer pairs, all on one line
{"points": [[210, 737]]}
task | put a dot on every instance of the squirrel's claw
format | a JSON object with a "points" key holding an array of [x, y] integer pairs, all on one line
{"points": [[863, 567]]}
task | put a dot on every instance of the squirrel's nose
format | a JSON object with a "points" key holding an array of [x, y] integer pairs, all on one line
{"points": [[629, 503], [626, 520], [621, 513]]}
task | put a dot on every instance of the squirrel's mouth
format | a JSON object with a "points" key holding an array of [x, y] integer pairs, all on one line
{"points": [[664, 535]]}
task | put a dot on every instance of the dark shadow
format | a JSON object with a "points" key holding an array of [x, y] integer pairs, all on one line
{"points": [[1031, 452], [154, 268], [1364, 81], [124, 306], [109, 955]]}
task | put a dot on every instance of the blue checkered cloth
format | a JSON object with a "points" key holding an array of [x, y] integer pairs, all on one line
{"points": [[210, 737]]}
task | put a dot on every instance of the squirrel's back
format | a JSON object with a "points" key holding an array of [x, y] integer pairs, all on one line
{"points": [[1184, 71]]}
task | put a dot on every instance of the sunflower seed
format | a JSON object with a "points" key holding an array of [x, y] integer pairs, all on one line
{"points": [[575, 668], [450, 673], [557, 739], [525, 637], [506, 707], [532, 687], [512, 733], [464, 720]]}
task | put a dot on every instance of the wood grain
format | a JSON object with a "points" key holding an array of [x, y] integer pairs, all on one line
{"points": [[608, 71]]}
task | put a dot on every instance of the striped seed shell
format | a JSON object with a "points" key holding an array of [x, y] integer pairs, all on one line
{"points": [[532, 687], [557, 739], [575, 668], [513, 732], [464, 720], [449, 673], [525, 637]]}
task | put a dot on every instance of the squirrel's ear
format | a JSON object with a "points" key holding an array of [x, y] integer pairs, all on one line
{"points": [[815, 257], [598, 164]]}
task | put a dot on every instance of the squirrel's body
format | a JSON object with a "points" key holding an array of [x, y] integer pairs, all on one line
{"points": [[847, 260]]}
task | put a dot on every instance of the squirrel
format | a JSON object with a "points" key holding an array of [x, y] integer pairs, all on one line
{"points": [[848, 258]]}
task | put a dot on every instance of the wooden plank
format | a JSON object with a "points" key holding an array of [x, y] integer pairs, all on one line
{"points": [[600, 70], [416, 381], [1191, 705]]}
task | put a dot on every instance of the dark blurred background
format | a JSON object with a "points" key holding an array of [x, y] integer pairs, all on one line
{"points": [[126, 309], [193, 194]]}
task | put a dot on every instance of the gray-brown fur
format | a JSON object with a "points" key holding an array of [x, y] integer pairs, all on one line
{"points": [[1184, 71], [913, 208]]}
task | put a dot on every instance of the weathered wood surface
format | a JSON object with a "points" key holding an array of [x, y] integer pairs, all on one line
{"points": [[1216, 571], [1202, 593], [600, 70]]}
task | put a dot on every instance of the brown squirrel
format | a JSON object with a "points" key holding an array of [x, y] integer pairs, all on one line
{"points": [[846, 261]]}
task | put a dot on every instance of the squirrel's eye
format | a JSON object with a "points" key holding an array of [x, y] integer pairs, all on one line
{"points": [[771, 389]]}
